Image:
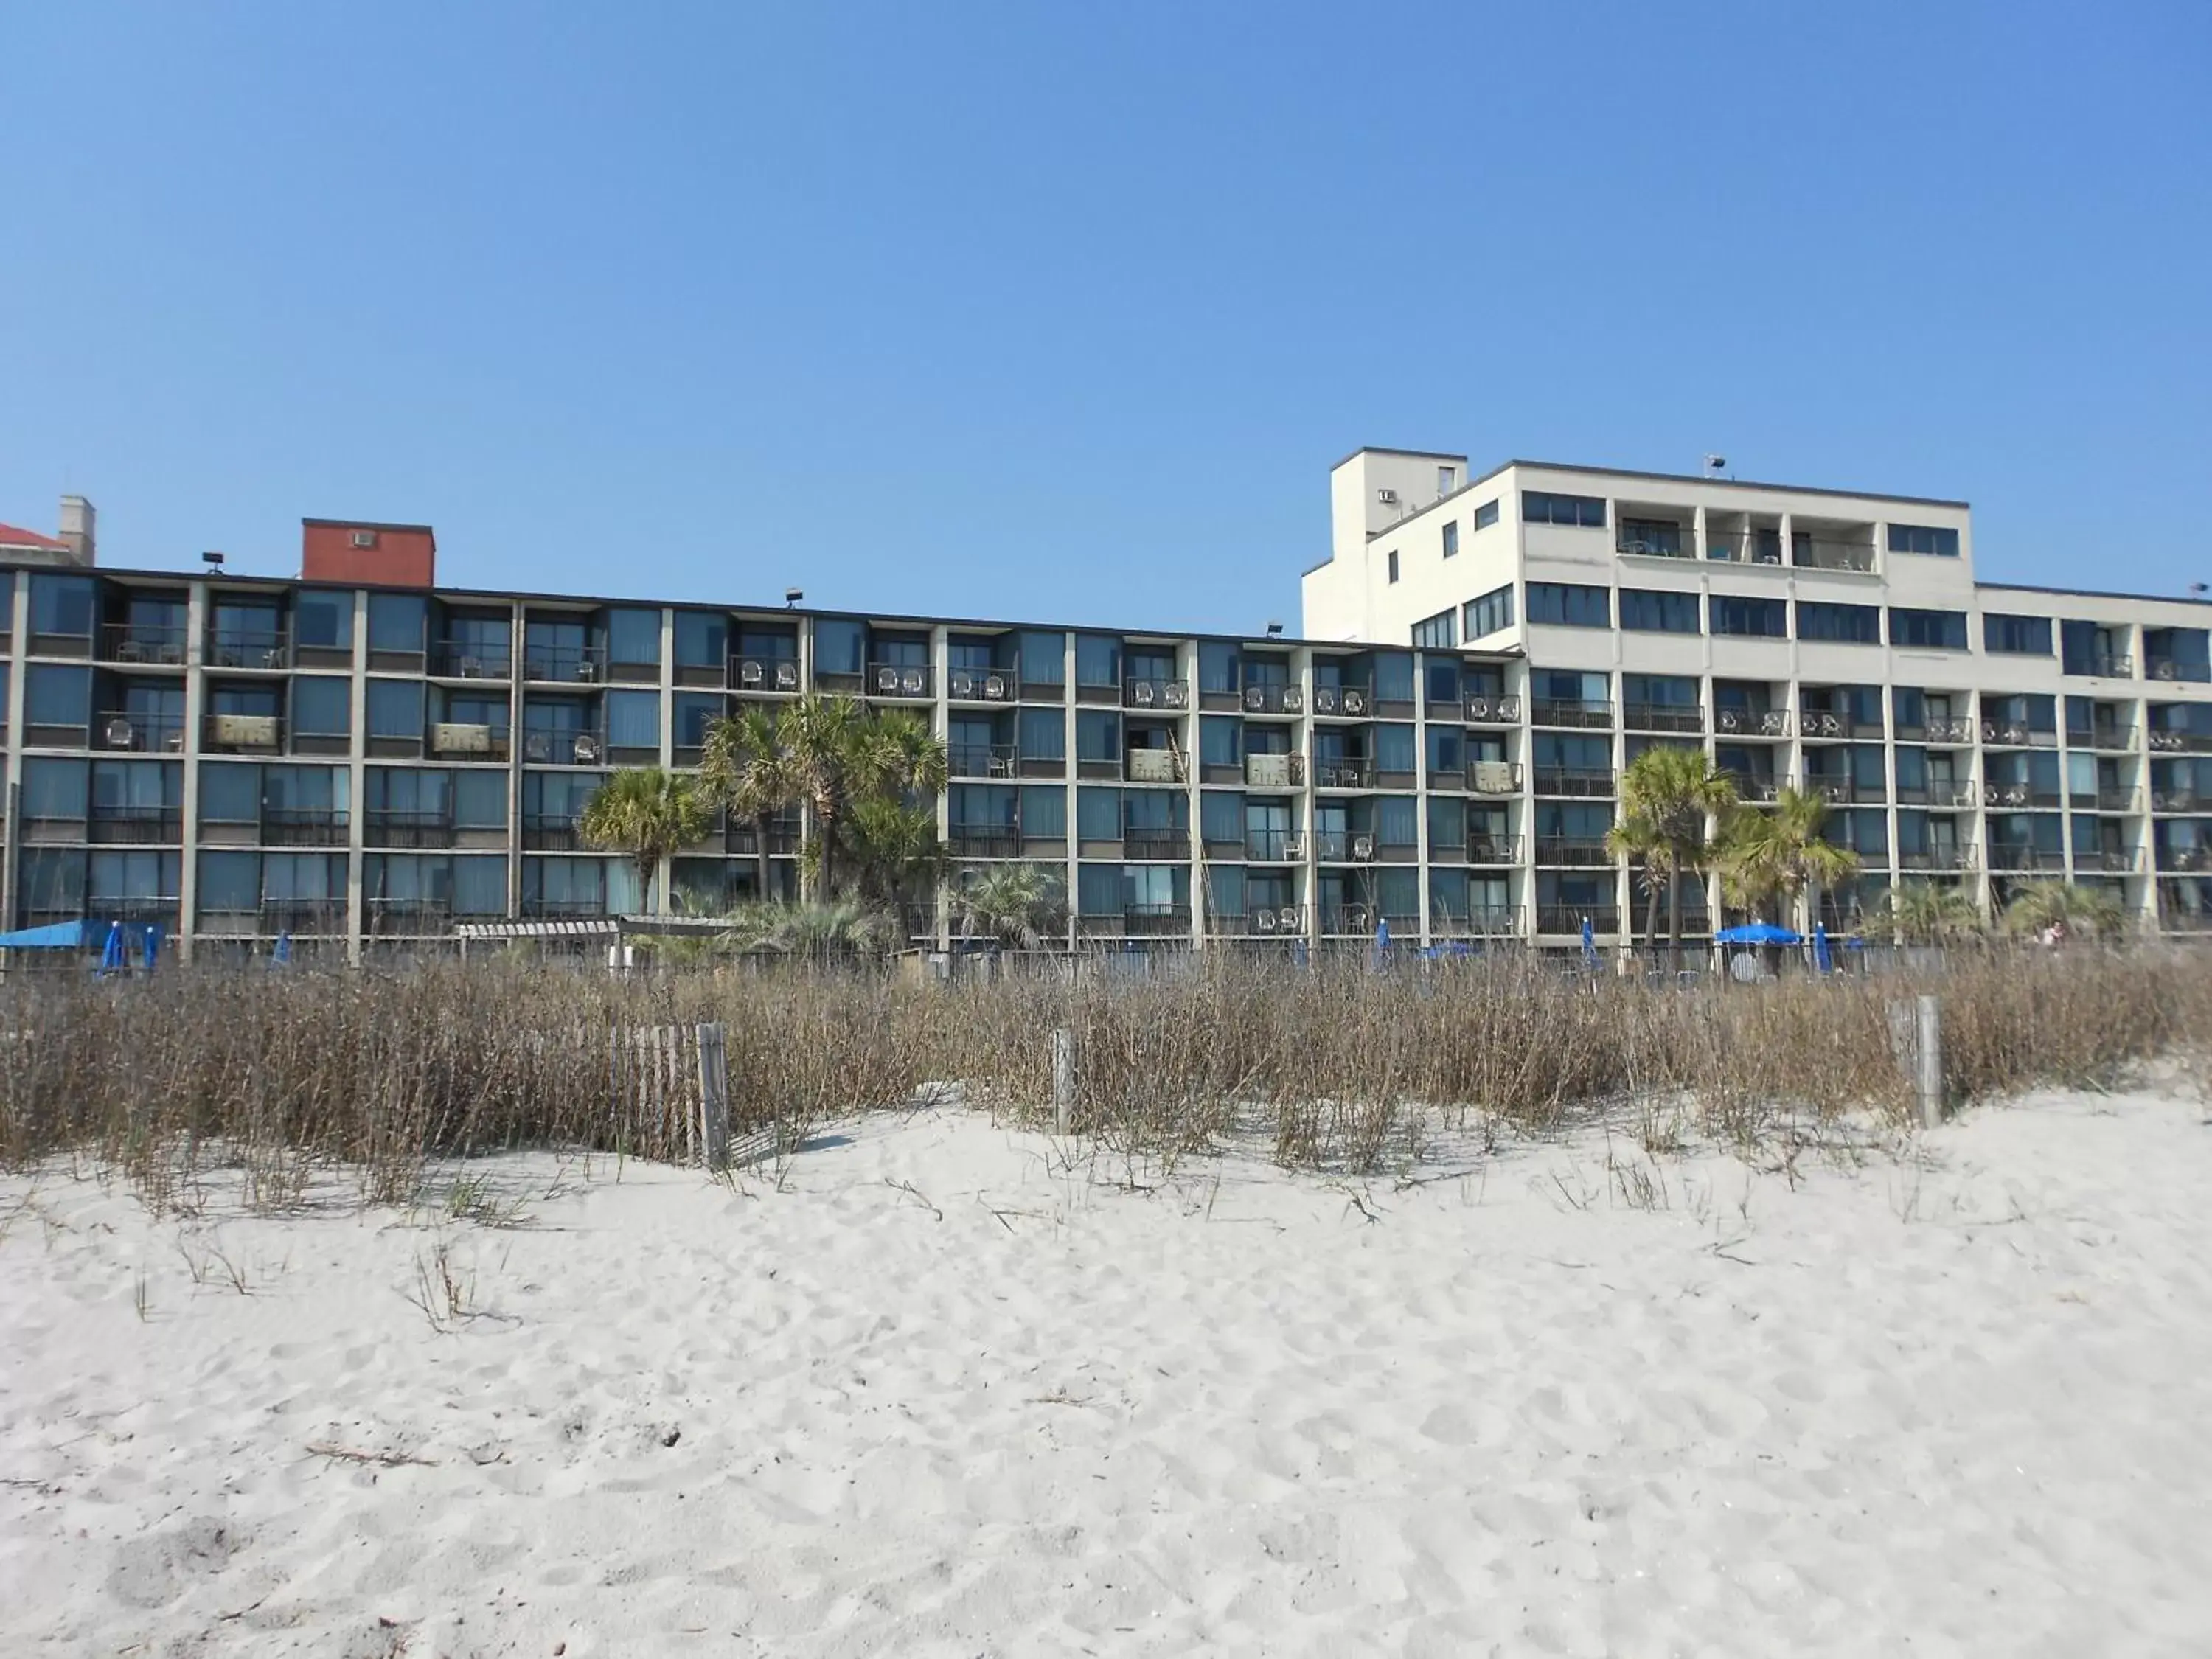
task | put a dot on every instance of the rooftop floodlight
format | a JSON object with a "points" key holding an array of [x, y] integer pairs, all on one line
{"points": [[792, 595], [1274, 630], [212, 561]]}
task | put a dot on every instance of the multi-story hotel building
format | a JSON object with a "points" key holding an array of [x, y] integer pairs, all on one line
{"points": [[361, 757]]}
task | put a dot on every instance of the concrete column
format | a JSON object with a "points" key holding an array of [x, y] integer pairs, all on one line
{"points": [[357, 787], [188, 873]]}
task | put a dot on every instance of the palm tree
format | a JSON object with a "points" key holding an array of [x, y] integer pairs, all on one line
{"points": [[744, 768], [1929, 913], [813, 931], [1769, 855], [836, 753], [1638, 840], [1016, 905], [647, 814], [1669, 795], [895, 850], [2074, 912]]}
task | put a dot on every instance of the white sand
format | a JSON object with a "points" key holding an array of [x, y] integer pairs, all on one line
{"points": [[1962, 1411]]}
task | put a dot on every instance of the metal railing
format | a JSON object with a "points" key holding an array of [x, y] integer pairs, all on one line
{"points": [[1941, 730], [141, 825], [1936, 858], [2189, 858], [1271, 699], [1265, 921], [564, 664], [2117, 861], [1831, 726], [2102, 737], [1154, 766], [1274, 846], [248, 648], [567, 746], [1344, 846], [983, 760], [1168, 696], [764, 674], [2016, 734], [907, 682], [1502, 710], [1569, 918], [303, 826], [472, 660], [408, 829], [143, 643], [984, 841], [408, 917], [1573, 712], [142, 733], [2177, 801], [1494, 777], [1752, 722], [1137, 921], [1657, 540], [1815, 554], [1493, 849], [1485, 921], [1275, 771], [1344, 701], [2103, 666], [243, 734], [468, 740], [2103, 798], [998, 684], [2175, 920], [2172, 742], [309, 916], [1344, 775], [2174, 668], [551, 832], [1662, 717], [1155, 841], [1588, 782], [1569, 850], [2004, 855]]}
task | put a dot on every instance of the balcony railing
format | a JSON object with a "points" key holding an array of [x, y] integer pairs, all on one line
{"points": [[302, 826], [2180, 743], [997, 685], [765, 674], [1350, 920], [466, 740], [1752, 722], [312, 917], [1155, 841], [1751, 786], [1936, 858], [541, 909], [1275, 771], [1577, 781], [467, 659], [1838, 791], [2103, 737], [1817, 554], [2008, 797], [143, 643], [983, 760], [1572, 851], [1493, 849], [2106, 798], [741, 841], [984, 841], [1828, 725], [553, 832], [249, 648], [2193, 860], [159, 734], [1137, 921], [2012, 856], [1274, 846], [1485, 921], [133, 908], [409, 830], [2114, 861], [564, 664], [241, 734], [2103, 666], [1939, 731], [1344, 846], [1575, 713], [1662, 717], [1344, 702], [565, 747], [1344, 775], [1169, 696], [1658, 541], [1492, 710], [1263, 921], [1279, 699], [1569, 918], [2016, 734], [407, 917], [1494, 777], [2174, 668], [135, 825], [2175, 920], [2177, 801], [907, 682]]}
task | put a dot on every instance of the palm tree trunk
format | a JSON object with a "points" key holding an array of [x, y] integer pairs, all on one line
{"points": [[1651, 917], [648, 872], [1675, 914], [760, 858]]}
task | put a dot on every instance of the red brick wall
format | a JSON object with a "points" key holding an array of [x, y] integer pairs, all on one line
{"points": [[401, 558]]}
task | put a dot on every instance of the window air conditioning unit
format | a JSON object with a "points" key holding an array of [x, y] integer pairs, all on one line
{"points": [[588, 748], [963, 685], [1355, 700], [887, 681], [1363, 847], [1388, 497], [1174, 694], [749, 673], [995, 687], [1327, 700], [1256, 698], [259, 730], [119, 734], [364, 538]]}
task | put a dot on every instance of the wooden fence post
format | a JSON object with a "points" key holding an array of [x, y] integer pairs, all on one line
{"points": [[1063, 1079], [1932, 1063], [714, 1096]]}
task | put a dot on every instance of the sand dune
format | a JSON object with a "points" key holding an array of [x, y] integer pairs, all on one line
{"points": [[943, 1395]]}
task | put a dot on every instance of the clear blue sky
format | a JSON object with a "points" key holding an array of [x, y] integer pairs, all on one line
{"points": [[1063, 312]]}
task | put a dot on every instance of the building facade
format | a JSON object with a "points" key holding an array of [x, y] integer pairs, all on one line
{"points": [[362, 758]]}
